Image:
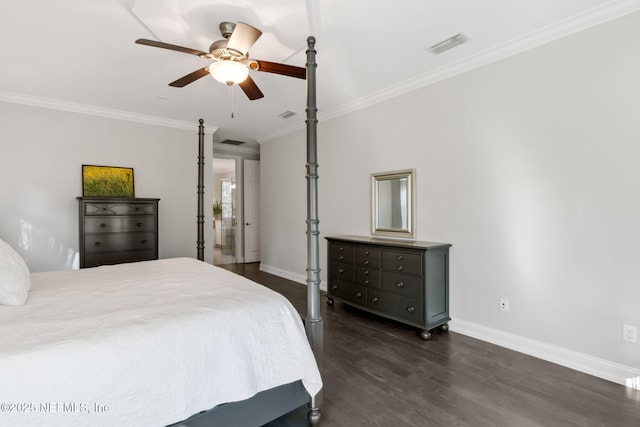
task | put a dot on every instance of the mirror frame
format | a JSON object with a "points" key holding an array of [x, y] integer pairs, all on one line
{"points": [[376, 229]]}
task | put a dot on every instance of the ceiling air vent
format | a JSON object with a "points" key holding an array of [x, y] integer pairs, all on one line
{"points": [[232, 142], [449, 43], [287, 114]]}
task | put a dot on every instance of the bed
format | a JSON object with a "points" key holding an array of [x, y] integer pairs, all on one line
{"points": [[146, 344]]}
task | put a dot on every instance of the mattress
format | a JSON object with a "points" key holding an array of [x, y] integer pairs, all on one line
{"points": [[145, 344]]}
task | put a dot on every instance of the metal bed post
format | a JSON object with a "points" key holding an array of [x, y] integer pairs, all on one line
{"points": [[313, 322], [200, 219]]}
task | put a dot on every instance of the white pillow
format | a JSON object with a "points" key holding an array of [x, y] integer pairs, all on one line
{"points": [[15, 279]]}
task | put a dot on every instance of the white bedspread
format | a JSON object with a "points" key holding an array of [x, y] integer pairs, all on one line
{"points": [[145, 344]]}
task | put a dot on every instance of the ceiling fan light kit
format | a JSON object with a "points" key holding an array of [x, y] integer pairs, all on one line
{"points": [[229, 72]]}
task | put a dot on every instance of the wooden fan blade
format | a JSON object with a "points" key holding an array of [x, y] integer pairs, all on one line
{"points": [[276, 68], [243, 37], [154, 43], [251, 89], [190, 78]]}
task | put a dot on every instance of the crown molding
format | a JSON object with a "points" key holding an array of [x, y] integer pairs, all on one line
{"points": [[591, 18], [54, 104], [285, 132]]}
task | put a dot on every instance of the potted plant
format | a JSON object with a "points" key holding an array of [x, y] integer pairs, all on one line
{"points": [[217, 209]]}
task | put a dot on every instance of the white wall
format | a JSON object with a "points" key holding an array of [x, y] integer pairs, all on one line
{"points": [[42, 151], [528, 166]]}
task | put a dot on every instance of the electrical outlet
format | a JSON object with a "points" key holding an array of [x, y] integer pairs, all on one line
{"points": [[504, 305], [629, 333]]}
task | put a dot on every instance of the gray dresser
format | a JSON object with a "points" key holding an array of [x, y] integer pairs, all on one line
{"points": [[117, 230], [401, 280]]}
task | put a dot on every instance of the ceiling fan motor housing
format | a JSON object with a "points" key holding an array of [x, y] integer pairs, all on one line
{"points": [[226, 29], [218, 49]]}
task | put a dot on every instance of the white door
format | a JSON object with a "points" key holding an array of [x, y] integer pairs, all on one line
{"points": [[251, 184]]}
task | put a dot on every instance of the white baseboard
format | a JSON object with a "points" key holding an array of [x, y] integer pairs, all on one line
{"points": [[581, 362], [600, 368], [294, 277]]}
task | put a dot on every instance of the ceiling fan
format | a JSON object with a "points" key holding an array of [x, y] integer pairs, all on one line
{"points": [[231, 60]]}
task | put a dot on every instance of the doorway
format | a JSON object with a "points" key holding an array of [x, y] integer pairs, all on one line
{"points": [[225, 211]]}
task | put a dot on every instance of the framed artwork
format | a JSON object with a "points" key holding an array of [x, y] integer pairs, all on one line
{"points": [[107, 181]]}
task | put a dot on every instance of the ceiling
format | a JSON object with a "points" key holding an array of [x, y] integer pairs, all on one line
{"points": [[80, 55]]}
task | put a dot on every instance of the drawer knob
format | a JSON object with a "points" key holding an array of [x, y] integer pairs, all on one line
{"points": [[400, 257], [143, 241], [400, 268], [374, 299], [341, 249], [96, 244], [358, 294], [400, 284], [340, 270], [366, 262], [366, 272], [103, 225], [367, 252], [366, 282], [411, 309], [341, 257], [104, 209], [139, 224], [334, 287], [137, 208]]}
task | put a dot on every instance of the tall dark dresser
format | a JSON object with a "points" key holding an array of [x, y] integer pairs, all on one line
{"points": [[401, 280], [116, 230]]}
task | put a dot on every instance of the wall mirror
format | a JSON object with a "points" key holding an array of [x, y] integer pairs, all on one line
{"points": [[392, 203]]}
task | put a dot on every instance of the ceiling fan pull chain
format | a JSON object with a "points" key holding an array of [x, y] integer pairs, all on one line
{"points": [[231, 92]]}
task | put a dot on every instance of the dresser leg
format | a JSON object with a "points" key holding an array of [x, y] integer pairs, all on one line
{"points": [[425, 335], [444, 327]]}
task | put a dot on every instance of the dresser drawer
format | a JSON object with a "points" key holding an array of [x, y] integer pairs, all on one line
{"points": [[95, 260], [102, 224], [411, 286], [396, 305], [340, 270], [342, 253], [116, 224], [368, 277], [122, 208], [119, 242], [144, 223], [368, 257], [402, 262], [349, 292]]}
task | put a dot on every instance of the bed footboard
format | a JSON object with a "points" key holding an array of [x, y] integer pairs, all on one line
{"points": [[258, 410]]}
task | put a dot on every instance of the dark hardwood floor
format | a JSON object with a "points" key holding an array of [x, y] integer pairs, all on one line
{"points": [[380, 373]]}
